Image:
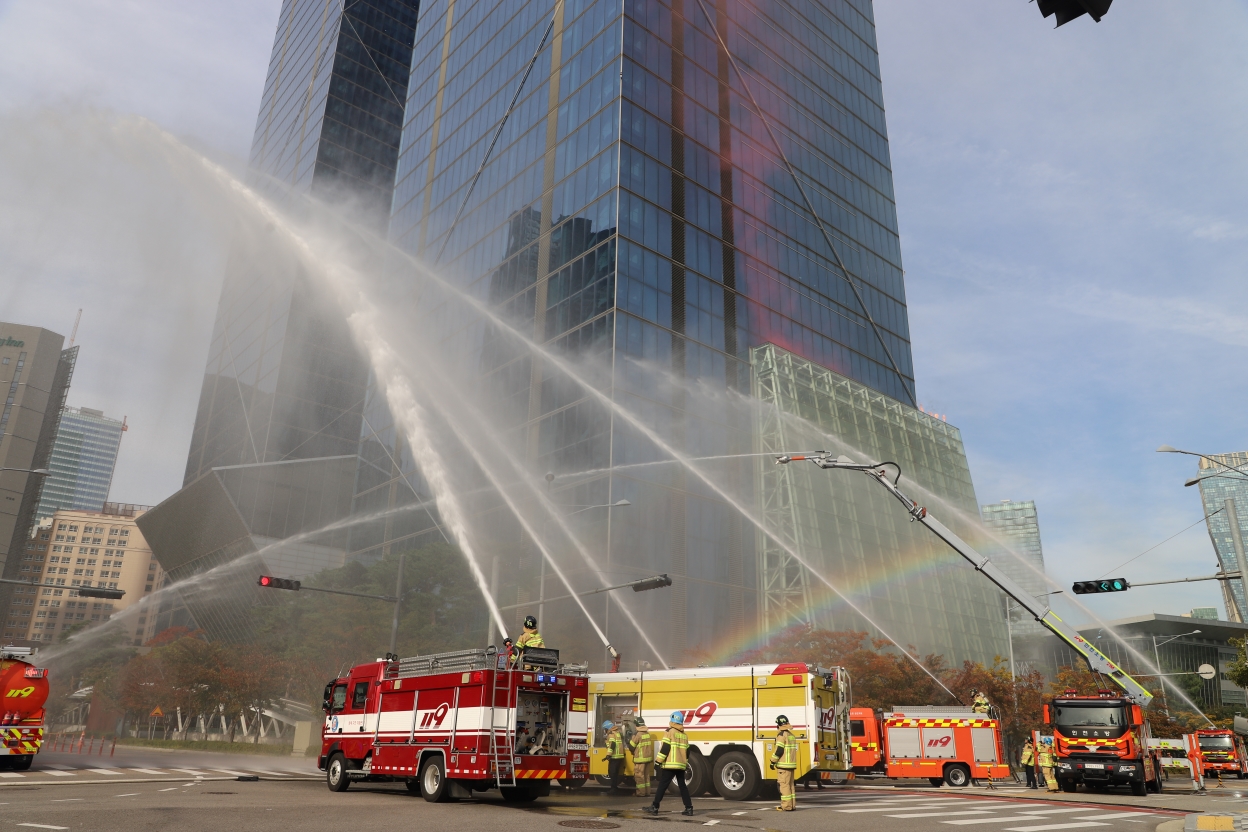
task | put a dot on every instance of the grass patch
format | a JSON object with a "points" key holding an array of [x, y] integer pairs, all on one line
{"points": [[209, 745]]}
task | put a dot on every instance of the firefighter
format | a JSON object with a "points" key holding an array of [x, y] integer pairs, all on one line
{"points": [[784, 762], [672, 760], [1046, 760], [615, 755], [979, 702], [1028, 760], [641, 743], [530, 637]]}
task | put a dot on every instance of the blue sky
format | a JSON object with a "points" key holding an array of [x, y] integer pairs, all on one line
{"points": [[1073, 222]]}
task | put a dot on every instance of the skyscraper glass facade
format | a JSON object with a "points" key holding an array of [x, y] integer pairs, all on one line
{"points": [[648, 205], [1224, 496], [1015, 527], [84, 456]]}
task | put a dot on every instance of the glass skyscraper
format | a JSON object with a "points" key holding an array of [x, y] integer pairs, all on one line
{"points": [[1224, 496], [679, 184], [1016, 525], [81, 467]]}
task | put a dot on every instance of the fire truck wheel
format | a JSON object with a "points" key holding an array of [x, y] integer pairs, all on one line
{"points": [[1068, 785], [433, 780], [957, 775], [698, 775], [336, 776], [22, 762], [1139, 789], [413, 786], [518, 794], [936, 781], [736, 776]]}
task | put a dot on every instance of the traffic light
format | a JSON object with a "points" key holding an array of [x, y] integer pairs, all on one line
{"points": [[1105, 585], [657, 582], [1068, 10], [97, 592], [279, 583]]}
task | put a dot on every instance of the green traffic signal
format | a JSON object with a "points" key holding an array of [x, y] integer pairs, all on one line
{"points": [[1103, 585]]}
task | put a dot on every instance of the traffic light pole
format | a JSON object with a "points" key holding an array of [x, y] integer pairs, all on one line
{"points": [[1221, 576], [1097, 661], [91, 591]]}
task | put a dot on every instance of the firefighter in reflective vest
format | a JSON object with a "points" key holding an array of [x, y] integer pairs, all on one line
{"points": [[979, 702], [1045, 758], [615, 755], [784, 761], [529, 638], [671, 761], [642, 746], [1028, 761]]}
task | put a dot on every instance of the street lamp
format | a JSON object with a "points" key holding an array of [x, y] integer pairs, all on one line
{"points": [[1157, 658]]}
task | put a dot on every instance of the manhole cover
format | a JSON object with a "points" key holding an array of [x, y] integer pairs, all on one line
{"points": [[589, 824]]}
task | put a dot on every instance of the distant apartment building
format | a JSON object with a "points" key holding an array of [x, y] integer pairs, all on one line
{"points": [[84, 456], [1205, 613], [84, 548], [35, 372], [1223, 487], [1016, 529]]}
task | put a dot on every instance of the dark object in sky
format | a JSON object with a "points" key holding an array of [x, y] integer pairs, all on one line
{"points": [[1068, 10]]}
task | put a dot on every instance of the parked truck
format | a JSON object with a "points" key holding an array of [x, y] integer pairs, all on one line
{"points": [[451, 724], [1222, 753], [23, 693], [943, 744]]}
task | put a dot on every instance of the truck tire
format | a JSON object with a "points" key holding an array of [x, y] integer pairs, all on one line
{"points": [[936, 781], [735, 776], [519, 794], [22, 762], [957, 775], [413, 786], [433, 785], [1139, 788], [1068, 785], [336, 776], [697, 776]]}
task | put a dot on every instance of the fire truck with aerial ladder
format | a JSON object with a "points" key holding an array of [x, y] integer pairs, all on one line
{"points": [[1098, 740], [450, 724], [23, 692]]}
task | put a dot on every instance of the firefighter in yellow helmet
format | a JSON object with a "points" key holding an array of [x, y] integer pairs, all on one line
{"points": [[784, 761], [641, 743], [672, 760]]}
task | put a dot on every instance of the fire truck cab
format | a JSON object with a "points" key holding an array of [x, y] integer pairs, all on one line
{"points": [[1102, 741], [1221, 752], [944, 744], [449, 724]]}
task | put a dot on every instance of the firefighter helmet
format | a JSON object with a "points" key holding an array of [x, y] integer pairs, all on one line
{"points": [[678, 717], [781, 721], [608, 725], [530, 623], [641, 723]]}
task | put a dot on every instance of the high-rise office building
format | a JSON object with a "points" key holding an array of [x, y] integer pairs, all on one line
{"points": [[678, 185], [35, 372], [1224, 495], [285, 383], [1014, 545], [80, 470]]}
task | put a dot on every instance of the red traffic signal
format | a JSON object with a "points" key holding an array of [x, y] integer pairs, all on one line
{"points": [[278, 583]]}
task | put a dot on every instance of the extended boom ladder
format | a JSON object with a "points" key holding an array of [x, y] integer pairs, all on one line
{"points": [[1096, 660]]}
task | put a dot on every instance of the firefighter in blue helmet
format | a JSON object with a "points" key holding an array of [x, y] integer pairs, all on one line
{"points": [[672, 760]]}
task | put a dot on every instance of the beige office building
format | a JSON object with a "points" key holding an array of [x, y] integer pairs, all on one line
{"points": [[84, 548]]}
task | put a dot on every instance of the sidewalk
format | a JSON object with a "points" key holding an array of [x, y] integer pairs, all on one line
{"points": [[1228, 798]]}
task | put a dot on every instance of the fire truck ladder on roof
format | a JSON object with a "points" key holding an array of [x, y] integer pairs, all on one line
{"points": [[502, 755]]}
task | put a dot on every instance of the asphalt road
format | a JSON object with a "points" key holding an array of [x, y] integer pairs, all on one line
{"points": [[202, 796]]}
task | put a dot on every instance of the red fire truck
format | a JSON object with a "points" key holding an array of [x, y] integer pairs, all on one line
{"points": [[449, 724], [946, 745], [1102, 741], [1222, 752], [23, 692]]}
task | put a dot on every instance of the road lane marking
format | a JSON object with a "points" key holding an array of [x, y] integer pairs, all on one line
{"points": [[942, 814], [1056, 811], [61, 767], [146, 771], [994, 819], [895, 808], [270, 773], [66, 799], [231, 773], [189, 771], [710, 823], [170, 789], [105, 771], [739, 813], [42, 826], [58, 773], [132, 794], [10, 774], [1082, 825], [1140, 815]]}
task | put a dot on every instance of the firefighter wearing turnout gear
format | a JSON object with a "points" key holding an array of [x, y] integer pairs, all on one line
{"points": [[1046, 760], [615, 755], [642, 746], [979, 702], [529, 638], [784, 761], [672, 759]]}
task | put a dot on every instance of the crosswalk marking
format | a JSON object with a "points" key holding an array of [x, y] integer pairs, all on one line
{"points": [[231, 773], [942, 814], [58, 773], [60, 767], [271, 773], [1059, 811], [1140, 815], [189, 771], [10, 774], [895, 808], [146, 771], [1081, 825], [996, 819], [105, 771]]}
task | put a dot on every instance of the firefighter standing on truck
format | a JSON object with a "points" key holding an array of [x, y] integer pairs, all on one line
{"points": [[784, 761], [1045, 758], [642, 746], [672, 760], [615, 755], [979, 702], [529, 638]]}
